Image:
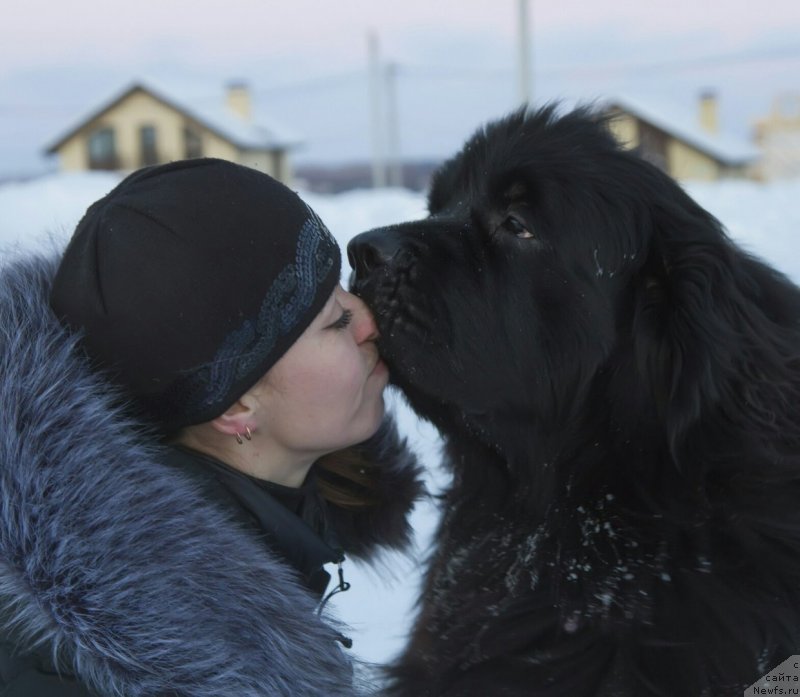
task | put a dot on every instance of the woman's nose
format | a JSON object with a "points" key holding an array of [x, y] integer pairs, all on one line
{"points": [[364, 327]]}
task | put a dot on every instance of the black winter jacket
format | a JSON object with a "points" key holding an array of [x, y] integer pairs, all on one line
{"points": [[119, 569]]}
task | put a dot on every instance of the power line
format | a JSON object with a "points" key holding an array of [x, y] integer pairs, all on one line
{"points": [[316, 83], [783, 53], [711, 60]]}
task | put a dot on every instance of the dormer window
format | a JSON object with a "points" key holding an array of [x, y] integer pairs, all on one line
{"points": [[148, 152], [102, 149], [192, 143]]}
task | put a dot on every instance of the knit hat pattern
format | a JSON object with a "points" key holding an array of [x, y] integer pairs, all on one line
{"points": [[188, 281]]}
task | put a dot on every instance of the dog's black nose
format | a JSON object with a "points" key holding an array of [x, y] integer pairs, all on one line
{"points": [[371, 250]]}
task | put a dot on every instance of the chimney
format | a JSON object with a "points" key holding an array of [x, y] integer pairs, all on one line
{"points": [[238, 99], [709, 120]]}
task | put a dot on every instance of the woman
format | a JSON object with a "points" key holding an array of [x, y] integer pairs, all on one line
{"points": [[182, 399]]}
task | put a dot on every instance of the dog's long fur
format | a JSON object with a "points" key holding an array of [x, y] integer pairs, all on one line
{"points": [[618, 386]]}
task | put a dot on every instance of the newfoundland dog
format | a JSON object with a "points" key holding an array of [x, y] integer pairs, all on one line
{"points": [[618, 388]]}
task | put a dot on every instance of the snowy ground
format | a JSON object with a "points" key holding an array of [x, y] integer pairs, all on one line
{"points": [[40, 215]]}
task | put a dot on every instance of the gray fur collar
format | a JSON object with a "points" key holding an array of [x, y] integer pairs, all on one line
{"points": [[138, 585]]}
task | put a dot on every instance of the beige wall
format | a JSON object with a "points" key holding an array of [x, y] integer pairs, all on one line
{"points": [[778, 136], [276, 163], [625, 130], [126, 118], [73, 155], [685, 162], [262, 160], [140, 109], [285, 171]]}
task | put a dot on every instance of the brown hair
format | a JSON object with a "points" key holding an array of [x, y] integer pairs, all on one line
{"points": [[348, 479]]}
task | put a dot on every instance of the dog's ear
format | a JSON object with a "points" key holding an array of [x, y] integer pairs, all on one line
{"points": [[713, 328]]}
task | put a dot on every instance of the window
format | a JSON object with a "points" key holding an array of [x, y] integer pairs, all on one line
{"points": [[192, 143], [148, 153], [653, 145], [102, 149]]}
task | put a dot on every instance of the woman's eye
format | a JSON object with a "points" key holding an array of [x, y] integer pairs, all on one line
{"points": [[516, 227], [343, 321]]}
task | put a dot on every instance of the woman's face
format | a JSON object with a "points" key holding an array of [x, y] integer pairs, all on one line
{"points": [[326, 391]]}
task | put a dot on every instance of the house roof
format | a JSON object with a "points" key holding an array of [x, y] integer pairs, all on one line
{"points": [[218, 118], [723, 148]]}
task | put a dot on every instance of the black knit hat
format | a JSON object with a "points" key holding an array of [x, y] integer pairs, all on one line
{"points": [[190, 280]]}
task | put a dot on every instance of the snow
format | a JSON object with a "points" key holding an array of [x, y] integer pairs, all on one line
{"points": [[763, 219], [40, 214]]}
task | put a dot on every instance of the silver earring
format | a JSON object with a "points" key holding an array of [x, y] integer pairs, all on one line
{"points": [[239, 439], [247, 433]]}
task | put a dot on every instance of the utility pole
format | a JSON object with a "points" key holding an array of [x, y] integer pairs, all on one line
{"points": [[393, 128], [525, 89], [376, 80]]}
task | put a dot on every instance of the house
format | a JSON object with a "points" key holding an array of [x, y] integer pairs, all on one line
{"points": [[146, 125], [778, 136], [686, 149]]}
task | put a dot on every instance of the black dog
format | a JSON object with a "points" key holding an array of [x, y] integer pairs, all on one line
{"points": [[618, 386]]}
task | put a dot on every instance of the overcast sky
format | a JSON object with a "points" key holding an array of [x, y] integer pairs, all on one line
{"points": [[305, 60]]}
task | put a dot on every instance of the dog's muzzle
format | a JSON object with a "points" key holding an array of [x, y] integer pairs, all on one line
{"points": [[371, 251]]}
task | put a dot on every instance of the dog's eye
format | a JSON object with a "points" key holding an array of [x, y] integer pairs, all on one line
{"points": [[516, 227]]}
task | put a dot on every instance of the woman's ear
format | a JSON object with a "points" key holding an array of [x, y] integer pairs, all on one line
{"points": [[239, 418]]}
